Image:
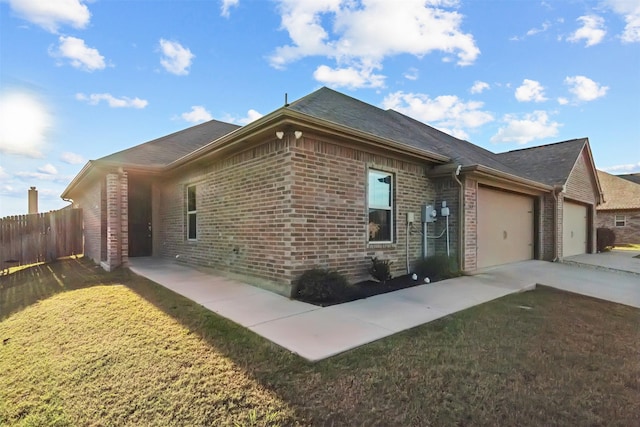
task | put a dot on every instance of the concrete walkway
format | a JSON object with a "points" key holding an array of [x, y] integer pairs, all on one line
{"points": [[316, 333], [616, 259]]}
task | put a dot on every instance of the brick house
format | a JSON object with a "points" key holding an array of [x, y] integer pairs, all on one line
{"points": [[621, 208], [331, 181]]}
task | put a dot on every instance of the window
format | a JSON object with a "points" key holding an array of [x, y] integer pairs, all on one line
{"points": [[620, 221], [191, 213], [380, 206]]}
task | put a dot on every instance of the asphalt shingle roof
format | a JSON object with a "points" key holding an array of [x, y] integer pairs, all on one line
{"points": [[336, 107], [633, 177], [549, 164], [618, 193], [167, 149]]}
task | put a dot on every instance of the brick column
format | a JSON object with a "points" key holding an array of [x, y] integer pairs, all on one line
{"points": [[470, 245], [117, 221]]}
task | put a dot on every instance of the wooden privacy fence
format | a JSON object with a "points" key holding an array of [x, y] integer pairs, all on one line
{"points": [[27, 239]]}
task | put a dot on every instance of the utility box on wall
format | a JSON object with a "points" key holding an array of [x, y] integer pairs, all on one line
{"points": [[429, 213]]}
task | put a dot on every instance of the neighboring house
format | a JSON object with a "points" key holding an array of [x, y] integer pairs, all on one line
{"points": [[621, 208], [330, 181], [633, 177]]}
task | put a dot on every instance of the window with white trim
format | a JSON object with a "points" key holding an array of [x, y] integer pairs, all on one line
{"points": [[380, 201], [192, 213], [620, 221]]}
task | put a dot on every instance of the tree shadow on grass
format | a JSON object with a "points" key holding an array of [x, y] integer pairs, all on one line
{"points": [[27, 286]]}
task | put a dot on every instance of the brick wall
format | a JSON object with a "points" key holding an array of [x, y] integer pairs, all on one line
{"points": [[242, 216], [117, 220], [547, 223], [330, 214], [630, 233], [470, 224], [90, 202], [286, 206], [447, 190]]}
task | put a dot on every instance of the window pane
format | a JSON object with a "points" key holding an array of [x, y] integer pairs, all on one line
{"points": [[192, 226], [379, 225], [379, 189], [191, 198]]}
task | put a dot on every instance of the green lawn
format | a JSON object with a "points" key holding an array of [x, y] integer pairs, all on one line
{"points": [[85, 347]]}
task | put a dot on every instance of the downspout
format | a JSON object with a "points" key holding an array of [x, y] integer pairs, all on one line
{"points": [[460, 216]]}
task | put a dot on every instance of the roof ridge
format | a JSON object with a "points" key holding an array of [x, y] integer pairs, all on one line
{"points": [[584, 139]]}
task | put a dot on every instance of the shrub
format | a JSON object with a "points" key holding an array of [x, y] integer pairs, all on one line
{"points": [[319, 286], [605, 238], [380, 269], [437, 267]]}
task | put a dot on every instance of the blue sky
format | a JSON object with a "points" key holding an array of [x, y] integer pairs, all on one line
{"points": [[82, 79]]}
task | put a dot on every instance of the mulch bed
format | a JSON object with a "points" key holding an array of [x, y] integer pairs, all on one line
{"points": [[369, 288]]}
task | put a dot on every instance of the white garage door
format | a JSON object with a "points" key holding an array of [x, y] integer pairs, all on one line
{"points": [[505, 227], [574, 229]]}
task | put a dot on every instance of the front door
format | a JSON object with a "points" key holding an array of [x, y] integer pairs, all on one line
{"points": [[140, 233]]}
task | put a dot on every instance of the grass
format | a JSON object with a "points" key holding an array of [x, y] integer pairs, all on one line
{"points": [[86, 347]]}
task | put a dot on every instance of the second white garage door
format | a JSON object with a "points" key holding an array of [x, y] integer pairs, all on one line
{"points": [[505, 227], [574, 229]]}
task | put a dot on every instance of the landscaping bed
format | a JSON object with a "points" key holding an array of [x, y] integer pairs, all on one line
{"points": [[369, 288]]}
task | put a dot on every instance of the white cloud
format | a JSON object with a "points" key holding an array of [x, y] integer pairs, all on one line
{"points": [[522, 130], [51, 14], [3, 174], [48, 169], [176, 59], [628, 168], [43, 176], [545, 26], [226, 6], [198, 114], [411, 74], [563, 101], [350, 77], [112, 101], [630, 10], [479, 86], [362, 34], [252, 115], [584, 88], [24, 124], [530, 90], [592, 30], [447, 113], [71, 158], [78, 53]]}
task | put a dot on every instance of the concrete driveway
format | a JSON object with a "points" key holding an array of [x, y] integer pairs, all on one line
{"points": [[316, 333]]}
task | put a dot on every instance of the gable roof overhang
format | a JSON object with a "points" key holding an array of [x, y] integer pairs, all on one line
{"points": [[95, 168], [594, 172], [288, 120]]}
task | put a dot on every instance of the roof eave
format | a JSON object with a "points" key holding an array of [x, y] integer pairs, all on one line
{"points": [[285, 117], [484, 170]]}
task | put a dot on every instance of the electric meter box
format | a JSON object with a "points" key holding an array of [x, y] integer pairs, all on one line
{"points": [[429, 213]]}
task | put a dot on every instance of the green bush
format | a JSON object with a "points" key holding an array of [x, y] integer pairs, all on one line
{"points": [[605, 238], [320, 286], [380, 269], [437, 267]]}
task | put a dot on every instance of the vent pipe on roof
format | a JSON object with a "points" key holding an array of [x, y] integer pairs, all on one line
{"points": [[286, 99]]}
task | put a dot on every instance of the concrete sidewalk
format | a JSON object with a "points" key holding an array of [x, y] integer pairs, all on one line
{"points": [[316, 332]]}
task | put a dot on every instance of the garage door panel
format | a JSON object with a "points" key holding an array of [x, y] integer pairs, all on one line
{"points": [[574, 229], [505, 227]]}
